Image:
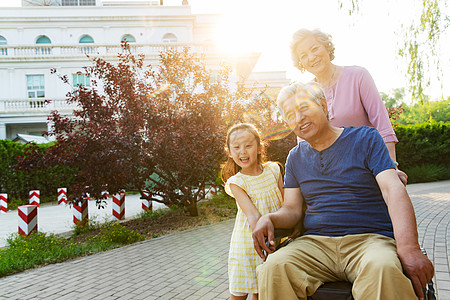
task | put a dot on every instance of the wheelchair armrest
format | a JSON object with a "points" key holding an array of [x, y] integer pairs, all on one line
{"points": [[428, 292], [280, 233]]}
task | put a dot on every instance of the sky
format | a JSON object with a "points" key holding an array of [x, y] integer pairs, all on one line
{"points": [[369, 39]]}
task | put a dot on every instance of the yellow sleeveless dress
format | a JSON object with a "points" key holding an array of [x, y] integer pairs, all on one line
{"points": [[266, 196]]}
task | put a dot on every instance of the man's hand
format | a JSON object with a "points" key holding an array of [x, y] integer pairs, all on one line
{"points": [[418, 268], [264, 228]]}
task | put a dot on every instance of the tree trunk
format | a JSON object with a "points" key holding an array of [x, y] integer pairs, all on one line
{"points": [[192, 209]]}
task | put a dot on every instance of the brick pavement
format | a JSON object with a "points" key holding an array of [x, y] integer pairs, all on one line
{"points": [[192, 264], [432, 205]]}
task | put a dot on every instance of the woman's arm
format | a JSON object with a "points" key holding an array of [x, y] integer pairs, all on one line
{"points": [[379, 117], [246, 204], [391, 149], [402, 175], [375, 108]]}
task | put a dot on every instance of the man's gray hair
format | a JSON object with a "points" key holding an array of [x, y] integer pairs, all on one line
{"points": [[311, 90]]}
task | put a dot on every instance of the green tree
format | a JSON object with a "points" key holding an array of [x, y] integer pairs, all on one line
{"points": [[426, 112], [394, 98], [158, 128], [422, 41]]}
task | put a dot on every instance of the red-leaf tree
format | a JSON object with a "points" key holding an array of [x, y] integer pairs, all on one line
{"points": [[157, 128]]}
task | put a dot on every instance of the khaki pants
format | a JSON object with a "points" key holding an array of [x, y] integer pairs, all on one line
{"points": [[369, 261]]}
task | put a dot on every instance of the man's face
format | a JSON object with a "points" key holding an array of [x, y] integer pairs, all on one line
{"points": [[304, 116]]}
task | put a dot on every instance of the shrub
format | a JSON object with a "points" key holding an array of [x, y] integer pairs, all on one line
{"points": [[423, 144], [12, 181], [427, 173], [91, 225], [17, 183], [157, 213]]}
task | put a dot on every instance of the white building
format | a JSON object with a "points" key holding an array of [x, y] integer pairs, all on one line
{"points": [[46, 34]]}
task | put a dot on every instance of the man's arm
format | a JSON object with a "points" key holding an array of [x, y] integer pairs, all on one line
{"points": [[286, 217], [415, 264]]}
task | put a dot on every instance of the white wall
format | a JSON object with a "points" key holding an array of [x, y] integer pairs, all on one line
{"points": [[21, 26]]}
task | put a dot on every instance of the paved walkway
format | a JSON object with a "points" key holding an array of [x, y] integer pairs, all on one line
{"points": [[192, 264]]}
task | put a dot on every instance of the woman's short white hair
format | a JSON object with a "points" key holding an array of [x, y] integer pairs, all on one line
{"points": [[311, 90], [300, 35]]}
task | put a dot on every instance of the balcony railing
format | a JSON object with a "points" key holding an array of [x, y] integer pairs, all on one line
{"points": [[81, 50], [39, 105]]}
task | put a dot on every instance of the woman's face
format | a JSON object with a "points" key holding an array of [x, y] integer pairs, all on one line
{"points": [[313, 55]]}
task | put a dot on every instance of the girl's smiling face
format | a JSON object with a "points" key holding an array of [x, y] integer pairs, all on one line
{"points": [[244, 150]]}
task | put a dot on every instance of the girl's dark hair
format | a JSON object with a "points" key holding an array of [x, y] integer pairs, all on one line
{"points": [[230, 168]]}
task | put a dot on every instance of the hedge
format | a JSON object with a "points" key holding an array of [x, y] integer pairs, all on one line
{"points": [[422, 148], [18, 183], [423, 144]]}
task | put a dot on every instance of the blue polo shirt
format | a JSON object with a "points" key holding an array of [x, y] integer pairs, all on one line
{"points": [[338, 184]]}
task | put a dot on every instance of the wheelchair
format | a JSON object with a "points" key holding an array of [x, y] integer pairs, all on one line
{"points": [[339, 290]]}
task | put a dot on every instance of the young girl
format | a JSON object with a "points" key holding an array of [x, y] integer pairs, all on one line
{"points": [[257, 188]]}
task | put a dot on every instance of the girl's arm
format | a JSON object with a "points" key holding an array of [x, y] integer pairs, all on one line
{"points": [[280, 185], [246, 204]]}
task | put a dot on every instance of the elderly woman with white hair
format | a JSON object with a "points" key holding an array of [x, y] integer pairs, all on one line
{"points": [[352, 97]]}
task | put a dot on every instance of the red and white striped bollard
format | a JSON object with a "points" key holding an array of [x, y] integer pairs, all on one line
{"points": [[35, 197], [118, 205], [62, 195], [105, 194], [80, 212], [147, 205], [213, 189], [3, 203], [27, 219]]}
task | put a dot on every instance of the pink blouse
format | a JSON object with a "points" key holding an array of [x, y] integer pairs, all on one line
{"points": [[354, 101]]}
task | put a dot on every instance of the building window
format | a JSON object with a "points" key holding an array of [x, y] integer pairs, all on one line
{"points": [[43, 49], [88, 49], [78, 2], [85, 39], [169, 38], [35, 86], [43, 40], [3, 51], [81, 79], [129, 38]]}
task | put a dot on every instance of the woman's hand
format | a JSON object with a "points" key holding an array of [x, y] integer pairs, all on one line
{"points": [[403, 176]]}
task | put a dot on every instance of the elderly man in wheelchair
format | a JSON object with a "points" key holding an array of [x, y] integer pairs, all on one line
{"points": [[359, 223]]}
